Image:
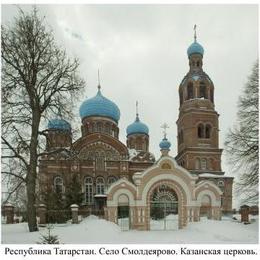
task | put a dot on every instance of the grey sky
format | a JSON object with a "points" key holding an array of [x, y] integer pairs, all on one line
{"points": [[141, 53]]}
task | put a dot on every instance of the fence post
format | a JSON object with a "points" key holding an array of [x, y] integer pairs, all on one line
{"points": [[42, 213], [244, 211], [74, 211], [9, 213]]}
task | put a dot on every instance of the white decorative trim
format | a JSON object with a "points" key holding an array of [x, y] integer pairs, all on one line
{"points": [[119, 182], [158, 165], [214, 201], [167, 177], [209, 183], [114, 201]]}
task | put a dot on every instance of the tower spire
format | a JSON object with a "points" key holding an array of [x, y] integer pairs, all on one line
{"points": [[99, 86], [195, 32], [136, 109]]}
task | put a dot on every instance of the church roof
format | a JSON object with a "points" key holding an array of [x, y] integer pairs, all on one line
{"points": [[99, 106], [59, 124], [137, 127], [165, 144], [195, 48]]}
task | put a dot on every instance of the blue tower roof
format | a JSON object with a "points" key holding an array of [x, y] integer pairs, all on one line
{"points": [[59, 124], [195, 48], [99, 106], [137, 127], [165, 144]]}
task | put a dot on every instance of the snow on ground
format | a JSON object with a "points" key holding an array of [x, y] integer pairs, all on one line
{"points": [[94, 230]]}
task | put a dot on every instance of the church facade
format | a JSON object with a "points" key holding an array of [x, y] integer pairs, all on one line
{"points": [[123, 181]]}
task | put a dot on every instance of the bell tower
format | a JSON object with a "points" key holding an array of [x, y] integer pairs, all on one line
{"points": [[197, 124]]}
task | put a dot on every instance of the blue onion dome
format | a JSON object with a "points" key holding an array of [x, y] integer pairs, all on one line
{"points": [[59, 124], [99, 106], [195, 48], [137, 127], [165, 144]]}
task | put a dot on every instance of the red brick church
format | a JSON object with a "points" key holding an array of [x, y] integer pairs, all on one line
{"points": [[114, 175]]}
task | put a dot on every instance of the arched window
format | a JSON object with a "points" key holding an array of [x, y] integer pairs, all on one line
{"points": [[198, 63], [203, 164], [107, 129], [90, 128], [211, 164], [200, 131], [99, 127], [207, 131], [203, 91], [58, 184], [100, 185], [190, 90], [139, 144], [197, 164], [100, 161], [94, 127], [89, 190], [113, 133], [108, 156], [111, 180], [91, 156]]}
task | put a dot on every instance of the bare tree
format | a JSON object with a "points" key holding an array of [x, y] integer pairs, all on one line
{"points": [[242, 141], [38, 81]]}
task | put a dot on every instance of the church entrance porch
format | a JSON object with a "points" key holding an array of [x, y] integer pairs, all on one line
{"points": [[164, 197], [164, 209]]}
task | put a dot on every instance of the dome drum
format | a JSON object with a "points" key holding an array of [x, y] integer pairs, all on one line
{"points": [[97, 124]]}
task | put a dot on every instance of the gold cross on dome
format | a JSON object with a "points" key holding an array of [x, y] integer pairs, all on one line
{"points": [[165, 126]]}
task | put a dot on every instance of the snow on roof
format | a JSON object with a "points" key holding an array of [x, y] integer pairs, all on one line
{"points": [[212, 175], [100, 196], [132, 153]]}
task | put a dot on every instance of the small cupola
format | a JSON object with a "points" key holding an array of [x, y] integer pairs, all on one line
{"points": [[138, 134], [165, 144]]}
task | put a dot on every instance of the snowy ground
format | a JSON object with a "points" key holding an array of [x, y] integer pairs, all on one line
{"points": [[94, 230]]}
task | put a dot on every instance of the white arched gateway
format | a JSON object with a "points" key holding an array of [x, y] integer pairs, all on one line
{"points": [[163, 197]]}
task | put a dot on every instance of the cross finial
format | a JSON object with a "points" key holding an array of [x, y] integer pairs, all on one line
{"points": [[195, 33], [136, 108], [164, 126], [99, 86]]}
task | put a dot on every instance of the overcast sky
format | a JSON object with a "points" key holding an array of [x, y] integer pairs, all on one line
{"points": [[141, 53]]}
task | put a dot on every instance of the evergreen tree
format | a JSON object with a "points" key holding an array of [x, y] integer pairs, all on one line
{"points": [[73, 194], [55, 205], [49, 238]]}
